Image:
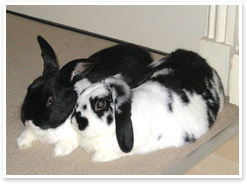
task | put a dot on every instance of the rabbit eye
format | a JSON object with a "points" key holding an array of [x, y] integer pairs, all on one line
{"points": [[100, 104], [51, 99]]}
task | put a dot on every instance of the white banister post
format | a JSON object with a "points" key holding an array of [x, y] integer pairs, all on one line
{"points": [[212, 20], [231, 25], [220, 23], [233, 38], [221, 40]]}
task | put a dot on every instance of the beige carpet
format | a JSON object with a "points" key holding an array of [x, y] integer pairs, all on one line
{"points": [[24, 64]]}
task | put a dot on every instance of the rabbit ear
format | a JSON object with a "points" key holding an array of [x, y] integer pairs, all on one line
{"points": [[124, 129], [76, 70], [49, 57], [122, 100]]}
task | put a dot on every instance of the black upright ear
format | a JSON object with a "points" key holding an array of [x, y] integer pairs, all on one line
{"points": [[49, 57], [76, 70], [136, 77]]}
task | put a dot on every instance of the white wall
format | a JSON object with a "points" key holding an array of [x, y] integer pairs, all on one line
{"points": [[159, 27]]}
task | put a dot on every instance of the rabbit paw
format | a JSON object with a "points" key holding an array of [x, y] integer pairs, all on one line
{"points": [[104, 156], [27, 139], [65, 147]]}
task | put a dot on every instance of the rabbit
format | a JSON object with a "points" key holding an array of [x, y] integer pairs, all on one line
{"points": [[50, 99], [174, 107]]}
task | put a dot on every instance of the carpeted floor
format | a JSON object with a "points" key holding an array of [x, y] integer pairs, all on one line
{"points": [[24, 64]]}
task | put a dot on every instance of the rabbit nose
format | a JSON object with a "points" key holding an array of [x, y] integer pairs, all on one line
{"points": [[27, 123]]}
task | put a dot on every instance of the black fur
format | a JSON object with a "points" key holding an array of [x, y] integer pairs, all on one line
{"points": [[109, 119], [36, 107], [66, 100], [48, 56], [213, 107], [189, 72], [159, 137], [84, 107], [189, 138], [81, 121], [170, 102], [87, 66], [170, 106], [124, 129], [128, 59], [120, 90], [35, 103]]}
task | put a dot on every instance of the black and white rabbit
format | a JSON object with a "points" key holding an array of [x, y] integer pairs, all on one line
{"points": [[176, 106], [50, 99]]}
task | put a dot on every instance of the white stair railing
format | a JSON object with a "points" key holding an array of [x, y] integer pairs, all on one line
{"points": [[220, 46]]}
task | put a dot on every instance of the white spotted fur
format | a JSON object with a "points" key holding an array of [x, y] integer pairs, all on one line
{"points": [[154, 126]]}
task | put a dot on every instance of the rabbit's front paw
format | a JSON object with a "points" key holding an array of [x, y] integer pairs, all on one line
{"points": [[65, 147], [27, 139], [104, 156]]}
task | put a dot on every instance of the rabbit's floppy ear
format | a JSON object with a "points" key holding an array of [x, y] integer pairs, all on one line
{"points": [[49, 57], [124, 129], [122, 100], [76, 70]]}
